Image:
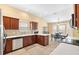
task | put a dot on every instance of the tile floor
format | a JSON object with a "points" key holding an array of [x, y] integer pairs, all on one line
{"points": [[36, 49]]}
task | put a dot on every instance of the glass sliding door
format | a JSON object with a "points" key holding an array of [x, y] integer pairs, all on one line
{"points": [[1, 34], [62, 28]]}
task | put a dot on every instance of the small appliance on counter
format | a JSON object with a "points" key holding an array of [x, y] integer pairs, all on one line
{"points": [[36, 32]]}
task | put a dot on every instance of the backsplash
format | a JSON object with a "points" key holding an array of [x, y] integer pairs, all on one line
{"points": [[23, 31], [17, 32]]}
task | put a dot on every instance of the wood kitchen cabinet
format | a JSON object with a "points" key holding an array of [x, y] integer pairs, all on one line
{"points": [[77, 20], [34, 37], [10, 22], [14, 23], [6, 22], [76, 15], [13, 44], [46, 40], [38, 40], [76, 10], [8, 46], [43, 40], [27, 40], [34, 25]]}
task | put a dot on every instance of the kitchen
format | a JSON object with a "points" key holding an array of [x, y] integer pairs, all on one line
{"points": [[23, 32], [23, 29]]}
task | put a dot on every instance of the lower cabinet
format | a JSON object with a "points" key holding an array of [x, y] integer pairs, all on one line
{"points": [[17, 43], [43, 40], [34, 39], [8, 46], [14, 44], [27, 40], [46, 40]]}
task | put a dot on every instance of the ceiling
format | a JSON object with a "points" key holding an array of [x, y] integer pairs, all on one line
{"points": [[49, 12]]}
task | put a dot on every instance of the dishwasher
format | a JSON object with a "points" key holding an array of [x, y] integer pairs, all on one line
{"points": [[17, 43]]}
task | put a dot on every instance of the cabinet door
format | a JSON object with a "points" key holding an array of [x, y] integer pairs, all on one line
{"points": [[14, 23], [46, 40], [77, 10], [10, 23], [43, 40], [8, 46], [77, 23], [77, 15], [34, 25], [6, 22], [34, 39], [38, 39], [27, 41]]}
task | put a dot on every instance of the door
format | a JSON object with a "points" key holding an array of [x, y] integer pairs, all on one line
{"points": [[14, 23], [58, 28], [62, 28], [8, 46], [34, 39], [10, 23], [77, 15], [54, 29], [46, 40], [77, 10], [38, 39], [34, 25], [27, 41], [6, 22], [42, 40], [77, 23]]}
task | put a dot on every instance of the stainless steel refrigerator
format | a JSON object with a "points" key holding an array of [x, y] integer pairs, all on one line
{"points": [[1, 33]]}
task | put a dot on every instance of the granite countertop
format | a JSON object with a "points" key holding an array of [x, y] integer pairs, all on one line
{"points": [[16, 36]]}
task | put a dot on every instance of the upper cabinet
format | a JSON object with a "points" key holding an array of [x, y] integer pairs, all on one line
{"points": [[10, 23], [33, 25], [6, 22], [76, 10], [14, 23], [76, 15]]}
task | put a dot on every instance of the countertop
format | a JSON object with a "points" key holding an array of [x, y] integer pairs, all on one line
{"points": [[16, 36], [66, 49]]}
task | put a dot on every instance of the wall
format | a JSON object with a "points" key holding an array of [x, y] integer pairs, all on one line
{"points": [[50, 29], [76, 34], [22, 15], [41, 22], [12, 12], [68, 29]]}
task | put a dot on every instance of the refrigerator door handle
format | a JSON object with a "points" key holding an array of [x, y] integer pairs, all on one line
{"points": [[4, 38]]}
